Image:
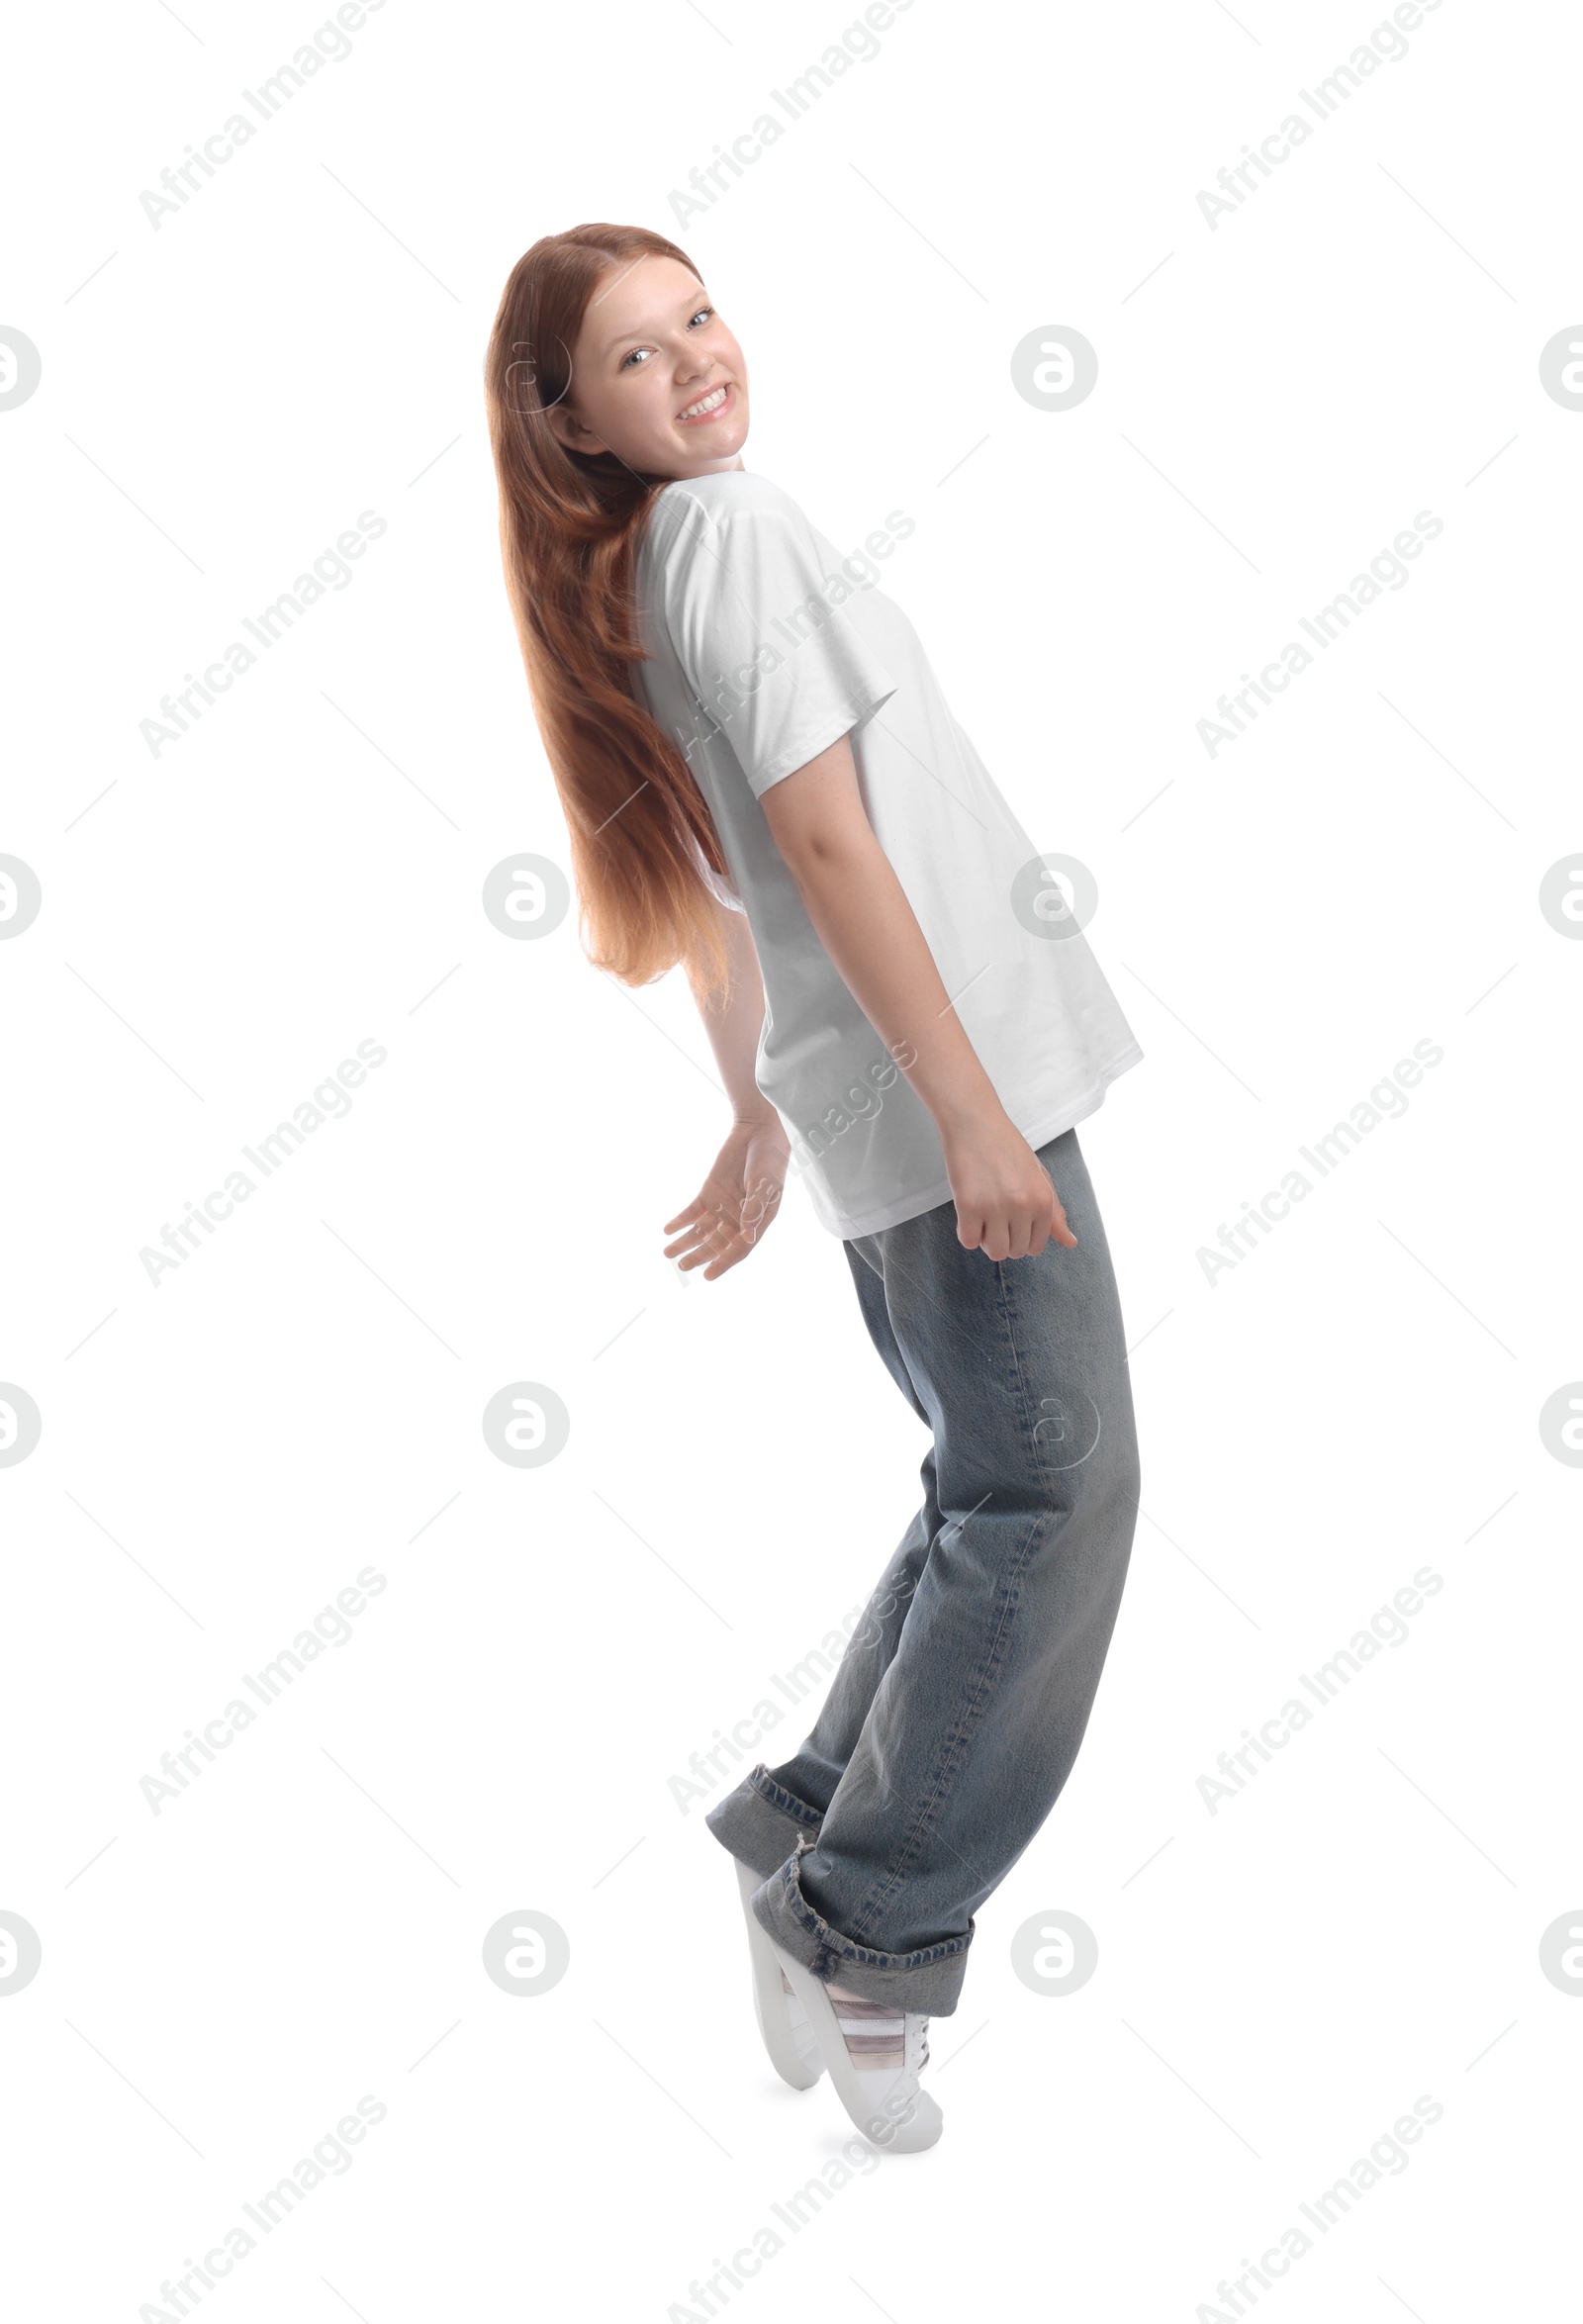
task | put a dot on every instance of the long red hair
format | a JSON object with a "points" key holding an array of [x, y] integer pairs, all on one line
{"points": [[569, 531]]}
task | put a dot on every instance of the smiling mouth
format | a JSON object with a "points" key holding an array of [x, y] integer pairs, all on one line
{"points": [[706, 405]]}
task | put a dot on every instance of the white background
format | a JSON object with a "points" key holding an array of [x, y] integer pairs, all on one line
{"points": [[220, 1456]]}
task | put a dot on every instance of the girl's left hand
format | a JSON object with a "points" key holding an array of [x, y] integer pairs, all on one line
{"points": [[731, 1210]]}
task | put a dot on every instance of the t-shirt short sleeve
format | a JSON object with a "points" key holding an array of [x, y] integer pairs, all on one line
{"points": [[771, 660]]}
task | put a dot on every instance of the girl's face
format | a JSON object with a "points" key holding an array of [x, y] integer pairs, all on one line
{"points": [[650, 352]]}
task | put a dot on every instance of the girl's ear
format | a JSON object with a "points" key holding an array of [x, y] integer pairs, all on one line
{"points": [[571, 430]]}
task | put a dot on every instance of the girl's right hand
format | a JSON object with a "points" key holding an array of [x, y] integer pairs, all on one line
{"points": [[1006, 1204], [736, 1202]]}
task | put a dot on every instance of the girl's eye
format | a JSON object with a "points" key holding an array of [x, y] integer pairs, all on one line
{"points": [[632, 358]]}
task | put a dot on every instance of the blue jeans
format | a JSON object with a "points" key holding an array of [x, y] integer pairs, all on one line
{"points": [[956, 1711]]}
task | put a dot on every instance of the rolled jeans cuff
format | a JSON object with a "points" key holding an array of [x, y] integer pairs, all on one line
{"points": [[761, 1822], [927, 1982]]}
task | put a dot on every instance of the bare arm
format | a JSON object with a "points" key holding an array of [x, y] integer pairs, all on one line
{"points": [[1005, 1203], [733, 1019], [731, 1210]]}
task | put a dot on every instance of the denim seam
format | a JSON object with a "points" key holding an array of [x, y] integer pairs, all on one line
{"points": [[926, 1820], [1024, 1393], [927, 1816], [787, 1802]]}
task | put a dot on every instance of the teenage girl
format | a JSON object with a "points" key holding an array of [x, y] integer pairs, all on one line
{"points": [[763, 784]]}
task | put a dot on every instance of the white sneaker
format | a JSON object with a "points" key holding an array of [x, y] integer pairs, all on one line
{"points": [[876, 2055], [783, 2021]]}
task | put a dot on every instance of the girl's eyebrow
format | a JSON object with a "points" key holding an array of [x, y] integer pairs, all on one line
{"points": [[637, 331]]}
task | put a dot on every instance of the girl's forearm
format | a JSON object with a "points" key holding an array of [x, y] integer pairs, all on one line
{"points": [[862, 916], [733, 1019]]}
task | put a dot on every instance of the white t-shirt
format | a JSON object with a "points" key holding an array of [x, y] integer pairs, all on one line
{"points": [[764, 648]]}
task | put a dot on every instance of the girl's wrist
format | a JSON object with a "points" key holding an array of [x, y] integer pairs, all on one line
{"points": [[963, 1112], [972, 1121], [762, 1119]]}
